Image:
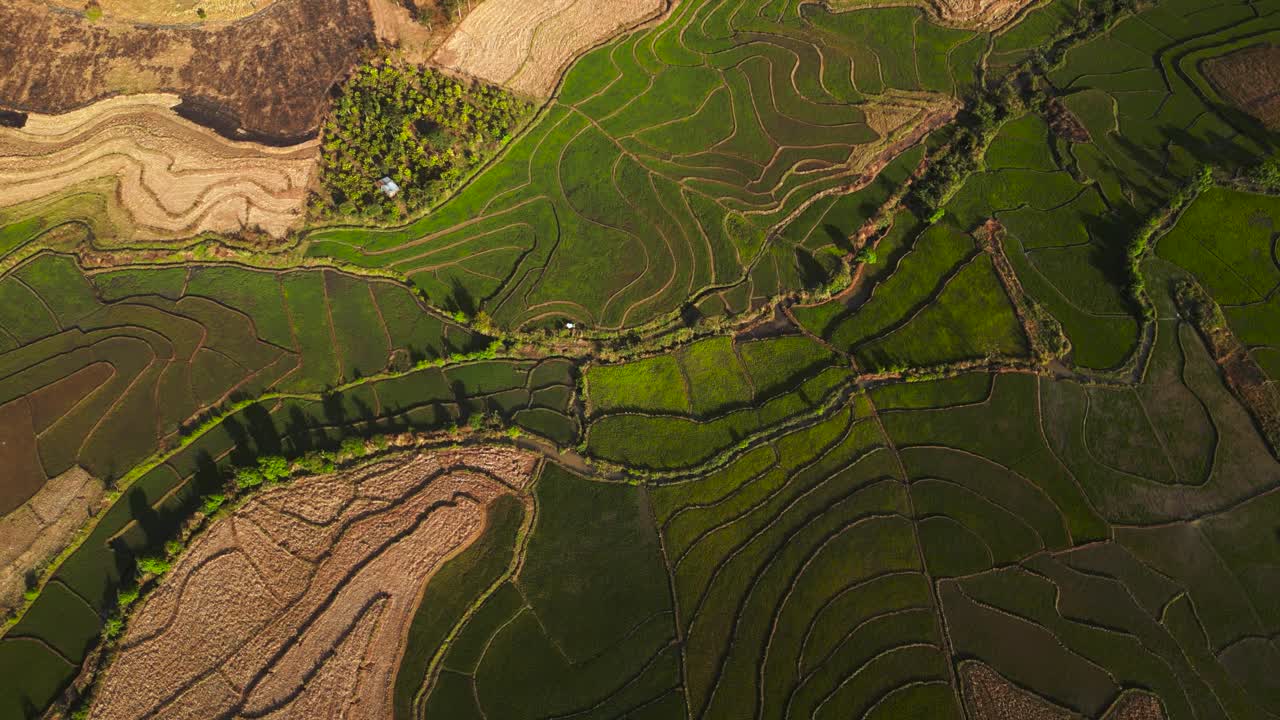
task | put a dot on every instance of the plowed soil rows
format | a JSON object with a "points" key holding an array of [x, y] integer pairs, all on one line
{"points": [[992, 697], [1250, 79], [175, 178], [526, 44], [267, 74], [41, 527], [296, 604]]}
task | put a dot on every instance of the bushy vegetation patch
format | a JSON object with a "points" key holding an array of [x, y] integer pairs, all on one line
{"points": [[423, 129]]}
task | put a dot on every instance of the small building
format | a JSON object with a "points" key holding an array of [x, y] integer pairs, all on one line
{"points": [[388, 187]]}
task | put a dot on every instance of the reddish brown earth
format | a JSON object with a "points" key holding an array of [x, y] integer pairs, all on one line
{"points": [[1250, 80], [992, 697], [267, 74], [296, 605], [1136, 706], [19, 456]]}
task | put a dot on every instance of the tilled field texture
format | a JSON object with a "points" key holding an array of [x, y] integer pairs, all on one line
{"points": [[1250, 79], [992, 697], [267, 74], [41, 527], [296, 604], [975, 14], [175, 178], [527, 45]]}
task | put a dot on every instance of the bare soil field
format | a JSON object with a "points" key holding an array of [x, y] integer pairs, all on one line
{"points": [[527, 44], [1136, 706], [265, 76], [174, 178], [41, 527], [297, 604], [992, 697], [972, 14], [1250, 79], [170, 12], [396, 26]]}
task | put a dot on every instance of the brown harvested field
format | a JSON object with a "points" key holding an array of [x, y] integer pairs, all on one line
{"points": [[296, 605], [267, 75], [42, 526], [527, 44], [174, 178], [19, 455], [1250, 80], [992, 697], [170, 12], [1136, 706], [972, 14]]}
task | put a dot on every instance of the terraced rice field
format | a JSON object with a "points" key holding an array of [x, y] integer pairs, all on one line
{"points": [[172, 178], [714, 128]]}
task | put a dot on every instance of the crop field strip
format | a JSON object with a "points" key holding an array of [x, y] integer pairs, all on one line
{"points": [[781, 137], [90, 357]]}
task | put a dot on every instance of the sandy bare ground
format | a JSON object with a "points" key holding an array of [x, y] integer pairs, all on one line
{"points": [[42, 527], [527, 44], [296, 605], [175, 178], [974, 14], [395, 26]]}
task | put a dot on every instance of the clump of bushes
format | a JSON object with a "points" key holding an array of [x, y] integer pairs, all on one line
{"points": [[419, 127]]}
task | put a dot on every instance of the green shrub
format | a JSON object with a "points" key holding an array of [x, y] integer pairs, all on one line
{"points": [[248, 477], [153, 566], [212, 503]]}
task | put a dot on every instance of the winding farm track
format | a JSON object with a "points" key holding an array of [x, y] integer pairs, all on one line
{"points": [[173, 178], [297, 604]]}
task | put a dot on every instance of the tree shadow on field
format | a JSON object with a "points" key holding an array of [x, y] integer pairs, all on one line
{"points": [[1111, 234], [253, 432], [154, 528], [1212, 149], [460, 298], [812, 274], [298, 430], [334, 407], [838, 238]]}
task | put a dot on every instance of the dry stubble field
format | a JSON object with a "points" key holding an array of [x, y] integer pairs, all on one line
{"points": [[526, 45], [175, 178], [1250, 79], [973, 14], [170, 12], [297, 604], [41, 527]]}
